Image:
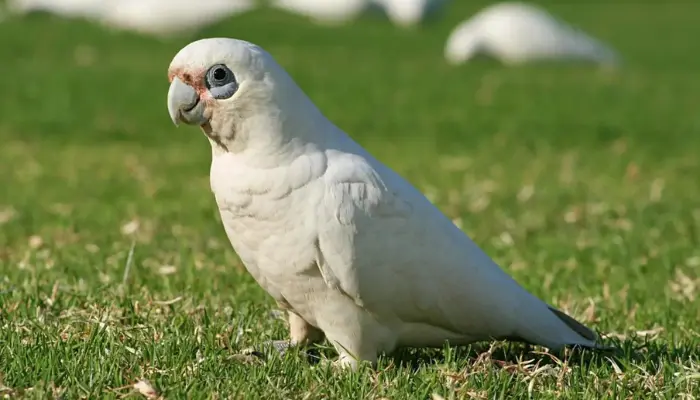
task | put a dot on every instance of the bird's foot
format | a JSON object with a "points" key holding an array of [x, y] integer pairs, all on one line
{"points": [[336, 365], [279, 346], [343, 363]]}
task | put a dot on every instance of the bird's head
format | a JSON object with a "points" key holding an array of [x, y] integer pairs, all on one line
{"points": [[408, 13], [227, 86], [464, 43]]}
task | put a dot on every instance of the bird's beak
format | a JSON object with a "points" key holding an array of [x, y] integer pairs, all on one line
{"points": [[184, 105]]}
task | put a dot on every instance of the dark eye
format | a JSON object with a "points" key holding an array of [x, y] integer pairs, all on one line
{"points": [[221, 82], [220, 74]]}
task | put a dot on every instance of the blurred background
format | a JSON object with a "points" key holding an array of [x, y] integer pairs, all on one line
{"points": [[580, 179], [87, 145]]}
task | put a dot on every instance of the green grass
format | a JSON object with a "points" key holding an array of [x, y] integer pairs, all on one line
{"points": [[582, 183]]}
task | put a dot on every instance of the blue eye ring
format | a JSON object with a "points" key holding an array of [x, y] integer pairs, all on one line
{"points": [[221, 82]]}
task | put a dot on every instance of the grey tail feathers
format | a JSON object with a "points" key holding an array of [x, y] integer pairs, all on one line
{"points": [[585, 333], [575, 325]]}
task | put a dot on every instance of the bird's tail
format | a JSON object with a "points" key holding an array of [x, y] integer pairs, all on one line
{"points": [[588, 47], [591, 339], [576, 326]]}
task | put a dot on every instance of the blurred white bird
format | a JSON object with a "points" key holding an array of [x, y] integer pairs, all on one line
{"points": [[515, 33], [401, 12], [63, 8], [408, 13], [324, 11], [348, 247], [151, 17], [160, 17]]}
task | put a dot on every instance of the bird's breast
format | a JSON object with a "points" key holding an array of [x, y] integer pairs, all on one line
{"points": [[265, 193], [267, 212]]}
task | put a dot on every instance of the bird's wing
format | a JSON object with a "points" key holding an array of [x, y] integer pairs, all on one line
{"points": [[388, 248], [585, 46]]}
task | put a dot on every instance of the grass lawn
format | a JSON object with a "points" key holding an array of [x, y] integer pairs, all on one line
{"points": [[583, 184]]}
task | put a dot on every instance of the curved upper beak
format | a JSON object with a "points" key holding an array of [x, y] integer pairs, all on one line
{"points": [[184, 105]]}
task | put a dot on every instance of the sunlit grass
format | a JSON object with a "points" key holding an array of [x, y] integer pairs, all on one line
{"points": [[582, 183]]}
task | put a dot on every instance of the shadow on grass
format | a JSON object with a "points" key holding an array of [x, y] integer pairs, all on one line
{"points": [[509, 355], [619, 355]]}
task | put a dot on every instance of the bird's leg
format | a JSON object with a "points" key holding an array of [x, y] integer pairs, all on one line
{"points": [[352, 349], [348, 359], [301, 333]]}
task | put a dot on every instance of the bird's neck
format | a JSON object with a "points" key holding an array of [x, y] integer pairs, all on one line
{"points": [[277, 122], [272, 137]]}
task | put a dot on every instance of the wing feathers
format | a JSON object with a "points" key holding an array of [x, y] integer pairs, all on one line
{"points": [[575, 325]]}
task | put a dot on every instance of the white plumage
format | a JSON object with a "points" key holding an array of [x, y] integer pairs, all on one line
{"points": [[151, 17], [408, 13], [347, 246], [63, 8], [403, 13], [516, 33], [158, 17], [324, 11]]}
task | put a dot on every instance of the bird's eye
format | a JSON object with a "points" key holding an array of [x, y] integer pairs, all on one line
{"points": [[221, 82], [219, 74]]}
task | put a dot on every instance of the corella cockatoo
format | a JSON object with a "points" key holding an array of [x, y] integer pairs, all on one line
{"points": [[344, 244], [324, 12], [149, 17], [516, 33], [171, 17], [91, 9], [407, 13]]}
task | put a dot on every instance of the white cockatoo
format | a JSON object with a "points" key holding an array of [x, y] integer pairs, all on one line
{"points": [[325, 12], [162, 18], [348, 247], [407, 13], [150, 17], [516, 33], [91, 9]]}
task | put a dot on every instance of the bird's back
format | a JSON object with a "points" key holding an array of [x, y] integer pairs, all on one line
{"points": [[410, 263]]}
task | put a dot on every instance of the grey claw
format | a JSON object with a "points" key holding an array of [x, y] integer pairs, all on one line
{"points": [[280, 346]]}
